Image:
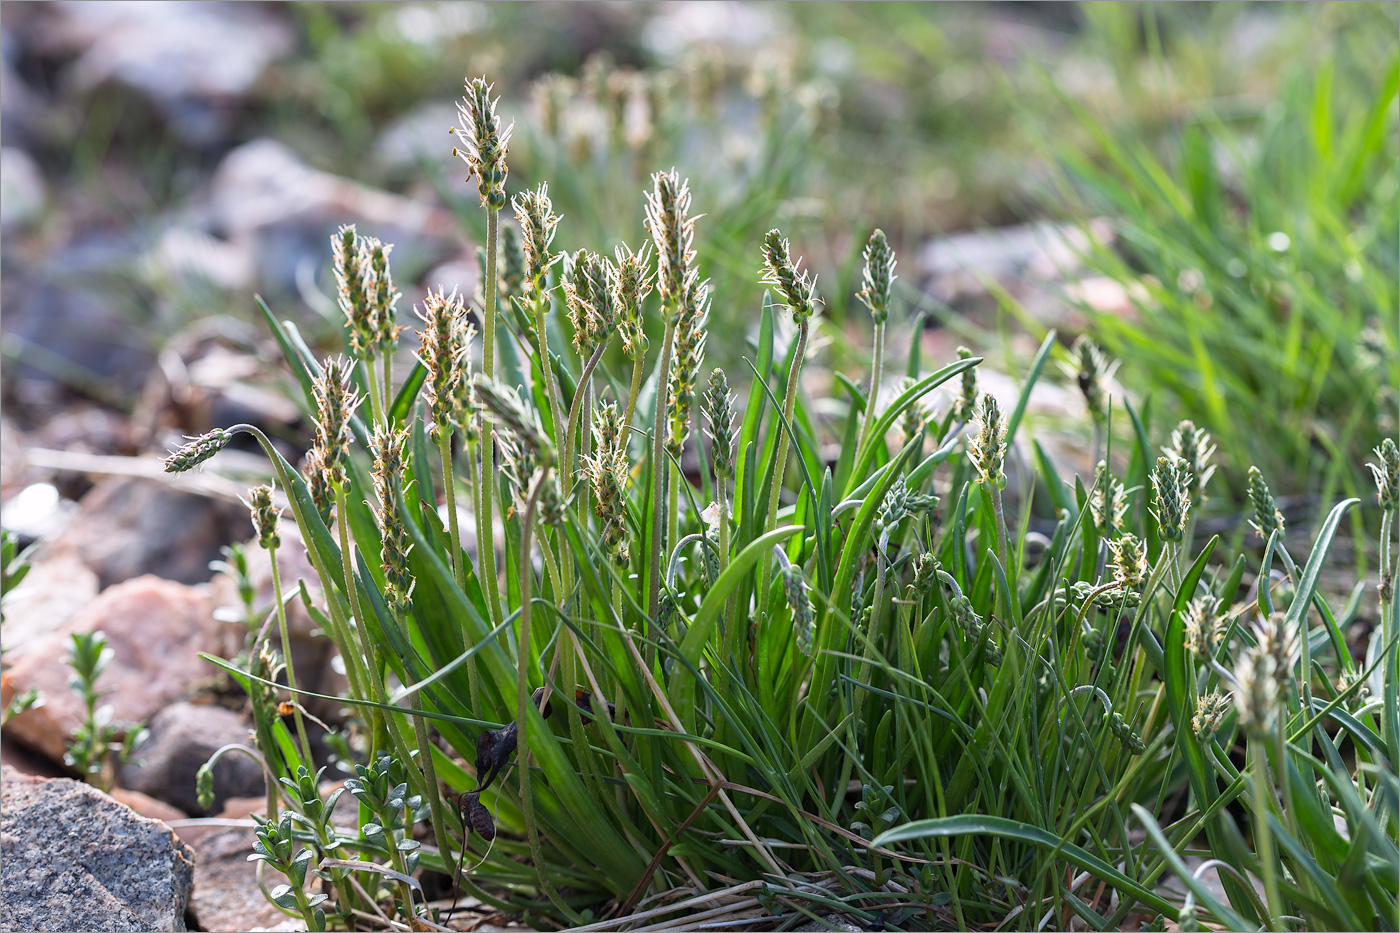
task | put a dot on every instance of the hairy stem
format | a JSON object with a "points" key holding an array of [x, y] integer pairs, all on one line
{"points": [[287, 656], [780, 465], [458, 565], [658, 465], [486, 487], [876, 366]]}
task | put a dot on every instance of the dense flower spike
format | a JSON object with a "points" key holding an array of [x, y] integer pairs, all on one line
{"points": [[502, 405], [916, 417], [484, 143], [988, 446], [265, 516], [351, 261], [795, 591], [606, 472], [197, 451], [1203, 625], [442, 348], [535, 215], [1108, 502], [1267, 518], [512, 264], [1256, 698], [388, 448], [313, 467], [588, 296], [1192, 449], [633, 283], [686, 356], [878, 276], [336, 402], [1091, 374], [1210, 713], [382, 296], [1129, 561], [672, 230], [1169, 485], [719, 424], [796, 287], [965, 408], [1387, 475]]}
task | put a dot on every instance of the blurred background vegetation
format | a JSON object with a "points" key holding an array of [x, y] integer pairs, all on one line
{"points": [[1210, 189]]}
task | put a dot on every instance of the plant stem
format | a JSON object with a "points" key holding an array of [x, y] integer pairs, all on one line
{"points": [[376, 410], [1263, 838], [287, 656], [658, 464], [673, 505], [575, 408], [388, 385], [876, 366], [637, 366], [459, 570], [486, 487], [780, 464], [425, 753]]}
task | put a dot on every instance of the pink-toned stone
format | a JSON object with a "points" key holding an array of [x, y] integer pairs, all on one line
{"points": [[226, 895], [146, 805], [156, 629], [52, 593]]}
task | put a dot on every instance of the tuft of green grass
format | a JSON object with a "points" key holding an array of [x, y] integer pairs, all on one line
{"points": [[779, 685]]}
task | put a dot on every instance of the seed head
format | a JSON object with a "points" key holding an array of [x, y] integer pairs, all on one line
{"points": [[313, 467], [1092, 371], [719, 422], [672, 229], [687, 352], [1267, 517], [535, 215], [1129, 561], [916, 417], [350, 259], [988, 446], [501, 404], [797, 287], [379, 287], [388, 448], [336, 401], [265, 516], [443, 344], [197, 451], [512, 264], [606, 471], [926, 569], [878, 276], [1108, 502], [1123, 731], [633, 283], [588, 296], [900, 502], [1210, 713], [1387, 475], [1349, 679], [966, 405], [1192, 449], [484, 143], [1256, 698], [1279, 641], [1203, 625], [795, 589], [1170, 481]]}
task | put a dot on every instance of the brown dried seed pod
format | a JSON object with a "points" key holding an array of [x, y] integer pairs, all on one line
{"points": [[480, 819]]}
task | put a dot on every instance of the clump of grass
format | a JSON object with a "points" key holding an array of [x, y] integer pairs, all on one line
{"points": [[784, 685]]}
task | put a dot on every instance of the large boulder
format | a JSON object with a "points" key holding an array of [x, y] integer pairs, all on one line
{"points": [[126, 527], [156, 629], [75, 859], [182, 738]]}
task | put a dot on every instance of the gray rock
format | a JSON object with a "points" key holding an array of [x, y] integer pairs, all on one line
{"points": [[182, 738], [128, 527], [22, 192], [75, 859], [194, 62]]}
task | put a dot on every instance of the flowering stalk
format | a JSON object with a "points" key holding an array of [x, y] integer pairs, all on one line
{"points": [[798, 291], [988, 453], [878, 277], [265, 518], [673, 232], [484, 147]]}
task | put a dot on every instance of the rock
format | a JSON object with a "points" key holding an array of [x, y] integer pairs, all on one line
{"points": [[22, 192], [126, 527], [54, 591], [226, 893], [155, 628], [195, 63], [416, 137], [182, 738], [265, 198], [66, 305], [146, 805], [75, 859]]}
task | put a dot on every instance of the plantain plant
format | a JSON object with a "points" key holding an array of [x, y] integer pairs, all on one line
{"points": [[658, 676]]}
